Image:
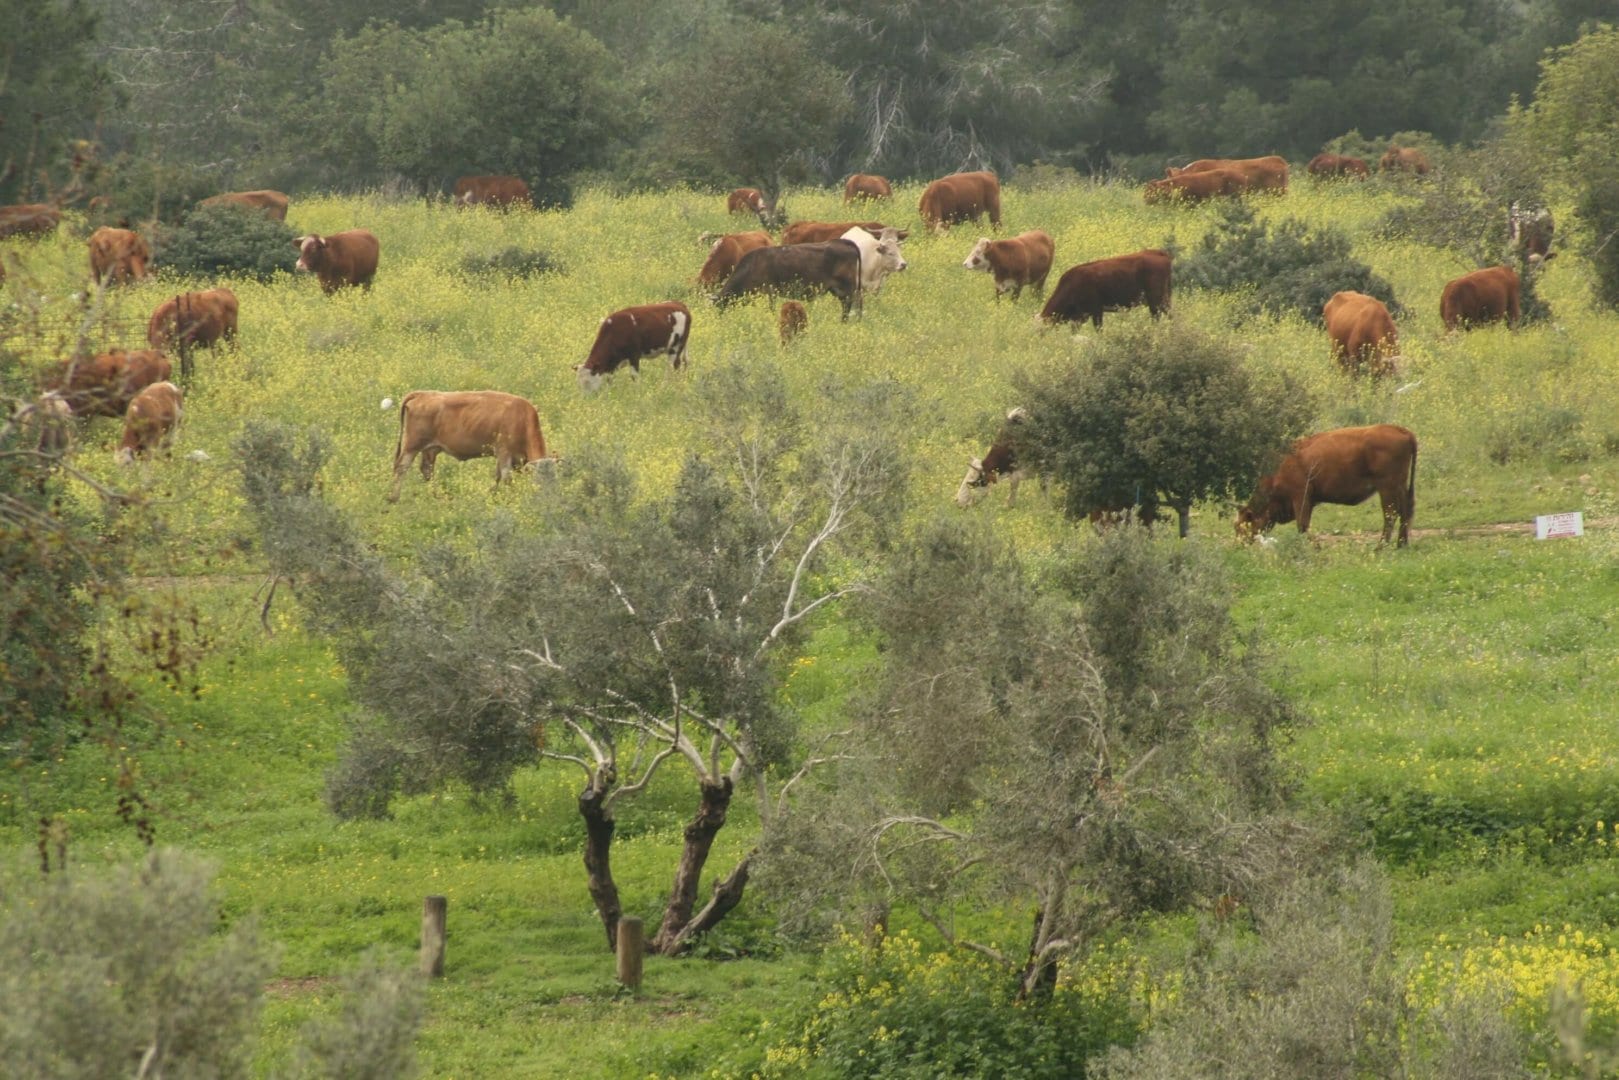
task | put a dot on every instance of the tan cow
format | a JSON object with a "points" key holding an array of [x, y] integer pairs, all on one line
{"points": [[105, 384], [1344, 467], [117, 256], [866, 186], [727, 252], [193, 318], [1484, 296], [503, 191], [745, 200], [961, 197], [272, 204], [1195, 187], [149, 422], [466, 424], [1014, 263], [792, 321], [1404, 159], [1362, 333], [341, 259], [28, 219], [1268, 173]]}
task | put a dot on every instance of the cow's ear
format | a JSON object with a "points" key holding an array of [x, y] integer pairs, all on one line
{"points": [[902, 233], [298, 243]]}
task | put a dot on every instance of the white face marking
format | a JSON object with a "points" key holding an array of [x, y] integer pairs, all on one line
{"points": [[307, 246], [124, 456], [966, 493], [976, 260], [589, 381]]}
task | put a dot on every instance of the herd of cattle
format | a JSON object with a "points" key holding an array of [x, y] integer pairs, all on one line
{"points": [[847, 260]]}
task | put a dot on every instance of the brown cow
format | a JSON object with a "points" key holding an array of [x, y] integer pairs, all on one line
{"points": [[961, 197], [105, 384], [193, 318], [1193, 187], [1404, 159], [149, 422], [117, 256], [1268, 173], [1329, 166], [631, 333], [866, 186], [272, 204], [505, 191], [1022, 260], [1529, 232], [466, 424], [806, 271], [1343, 467], [819, 232], [746, 200], [1124, 281], [727, 252], [794, 320], [1362, 333], [28, 219], [1483, 296], [345, 258], [999, 462]]}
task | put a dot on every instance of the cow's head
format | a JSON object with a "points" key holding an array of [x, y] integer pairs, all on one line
{"points": [[972, 484], [311, 252], [589, 381], [889, 256], [978, 259], [1266, 509]]}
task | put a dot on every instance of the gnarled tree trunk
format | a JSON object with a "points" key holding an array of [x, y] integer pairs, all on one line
{"points": [[712, 805], [598, 867]]}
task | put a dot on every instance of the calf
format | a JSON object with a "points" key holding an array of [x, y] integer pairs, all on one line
{"points": [[341, 259], [1362, 333], [1124, 281], [1483, 296], [117, 256], [1022, 260], [626, 336], [866, 186], [193, 318], [466, 424], [999, 462], [746, 200], [272, 204], [794, 320], [727, 252], [105, 384], [961, 197], [502, 191], [801, 270], [1344, 467], [149, 422], [1329, 166]]}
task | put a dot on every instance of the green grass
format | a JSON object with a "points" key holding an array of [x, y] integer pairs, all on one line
{"points": [[1460, 692]]}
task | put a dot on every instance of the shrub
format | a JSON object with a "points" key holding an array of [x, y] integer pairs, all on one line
{"points": [[1537, 430], [1290, 269], [229, 240], [510, 262]]}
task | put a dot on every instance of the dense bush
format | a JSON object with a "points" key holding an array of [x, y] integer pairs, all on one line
{"points": [[1289, 269], [510, 262], [228, 240]]}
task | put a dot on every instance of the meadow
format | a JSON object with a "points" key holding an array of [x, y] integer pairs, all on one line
{"points": [[1460, 690]]}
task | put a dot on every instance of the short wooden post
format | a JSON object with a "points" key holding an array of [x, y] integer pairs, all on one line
{"points": [[435, 915], [631, 949]]}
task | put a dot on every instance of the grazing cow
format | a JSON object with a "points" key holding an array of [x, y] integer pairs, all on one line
{"points": [[28, 219], [504, 191], [193, 318], [466, 424], [727, 252], [1268, 173], [801, 270], [1483, 296], [866, 186], [1343, 467], [272, 204], [47, 423], [1022, 260], [1194, 187], [879, 256], [961, 197], [345, 258], [1328, 166], [1530, 233], [819, 232], [999, 462], [117, 256], [104, 385], [746, 200], [1404, 159], [1124, 281], [149, 422], [794, 320], [626, 336], [1362, 333]]}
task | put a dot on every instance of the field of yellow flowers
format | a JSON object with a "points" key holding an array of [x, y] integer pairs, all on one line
{"points": [[1461, 691]]}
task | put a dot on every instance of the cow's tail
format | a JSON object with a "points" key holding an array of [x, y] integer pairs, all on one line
{"points": [[1411, 485], [399, 445]]}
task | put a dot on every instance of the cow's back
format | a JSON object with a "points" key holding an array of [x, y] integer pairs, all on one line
{"points": [[1347, 465]]}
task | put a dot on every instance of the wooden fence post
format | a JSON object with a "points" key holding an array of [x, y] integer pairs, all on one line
{"points": [[435, 915], [631, 948]]}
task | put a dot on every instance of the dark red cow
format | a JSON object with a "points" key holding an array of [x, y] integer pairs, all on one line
{"points": [[960, 197], [1000, 462], [1484, 296], [1344, 467], [1330, 166], [1362, 333], [627, 335], [341, 259], [1124, 281]]}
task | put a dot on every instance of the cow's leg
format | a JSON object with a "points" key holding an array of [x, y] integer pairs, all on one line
{"points": [[402, 462], [429, 456], [1301, 511], [1013, 479], [503, 466]]}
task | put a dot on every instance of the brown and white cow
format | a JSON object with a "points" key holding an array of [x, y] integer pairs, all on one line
{"points": [[1195, 187], [1124, 281], [1529, 233], [1330, 166], [1268, 173], [466, 424], [792, 321], [966, 196], [105, 384], [727, 252], [801, 270], [341, 259], [1404, 159], [819, 232], [1022, 260], [28, 219], [631, 333], [503, 191], [194, 318], [1000, 462], [866, 186], [746, 200], [149, 422], [1484, 296], [880, 255], [272, 204], [1344, 467], [118, 256], [1362, 333]]}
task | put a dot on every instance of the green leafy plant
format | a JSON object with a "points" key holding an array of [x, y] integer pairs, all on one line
{"points": [[218, 240]]}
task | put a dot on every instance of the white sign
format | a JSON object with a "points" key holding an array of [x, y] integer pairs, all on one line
{"points": [[1551, 526]]}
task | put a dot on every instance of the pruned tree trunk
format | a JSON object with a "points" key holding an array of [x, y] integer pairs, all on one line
{"points": [[1184, 513], [727, 895], [1039, 976], [712, 805], [598, 867]]}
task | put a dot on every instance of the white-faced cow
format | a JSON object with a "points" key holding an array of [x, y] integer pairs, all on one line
{"points": [[879, 256], [628, 335], [466, 424], [149, 422], [1014, 263], [341, 259], [1344, 467], [1000, 462]]}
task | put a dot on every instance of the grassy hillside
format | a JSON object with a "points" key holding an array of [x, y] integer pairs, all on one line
{"points": [[1460, 689]]}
